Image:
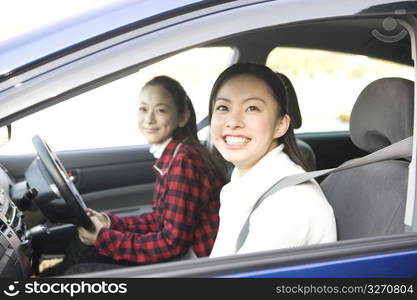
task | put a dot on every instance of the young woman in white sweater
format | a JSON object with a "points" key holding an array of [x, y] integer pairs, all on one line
{"points": [[251, 128]]}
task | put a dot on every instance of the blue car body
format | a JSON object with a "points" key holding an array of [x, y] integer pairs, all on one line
{"points": [[54, 63]]}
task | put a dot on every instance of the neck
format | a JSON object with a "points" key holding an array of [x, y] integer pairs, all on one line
{"points": [[158, 149], [245, 168]]}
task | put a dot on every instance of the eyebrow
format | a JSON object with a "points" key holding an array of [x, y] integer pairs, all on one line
{"points": [[247, 99], [158, 104]]}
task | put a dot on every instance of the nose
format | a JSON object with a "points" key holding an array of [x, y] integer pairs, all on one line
{"points": [[235, 120], [149, 117]]}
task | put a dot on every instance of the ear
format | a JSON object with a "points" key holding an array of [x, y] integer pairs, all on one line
{"points": [[282, 126], [184, 119]]}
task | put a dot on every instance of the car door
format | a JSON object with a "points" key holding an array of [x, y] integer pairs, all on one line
{"points": [[118, 179], [137, 47], [96, 135]]}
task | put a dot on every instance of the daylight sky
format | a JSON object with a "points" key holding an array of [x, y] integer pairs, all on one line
{"points": [[19, 16]]}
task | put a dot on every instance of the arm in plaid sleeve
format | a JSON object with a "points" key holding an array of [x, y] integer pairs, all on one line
{"points": [[180, 208], [141, 224]]}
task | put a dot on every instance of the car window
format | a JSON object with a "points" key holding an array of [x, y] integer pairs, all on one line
{"points": [[106, 116], [328, 83]]}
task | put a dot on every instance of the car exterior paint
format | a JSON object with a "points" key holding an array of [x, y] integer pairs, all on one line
{"points": [[48, 66]]}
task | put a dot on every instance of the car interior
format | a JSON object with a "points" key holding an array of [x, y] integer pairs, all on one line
{"points": [[120, 179], [362, 211]]}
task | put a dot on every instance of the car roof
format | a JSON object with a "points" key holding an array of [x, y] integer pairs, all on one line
{"points": [[324, 35], [73, 30]]}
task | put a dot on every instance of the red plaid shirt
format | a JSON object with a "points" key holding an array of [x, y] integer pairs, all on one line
{"points": [[185, 212]]}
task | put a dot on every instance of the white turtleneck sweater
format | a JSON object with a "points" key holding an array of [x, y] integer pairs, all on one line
{"points": [[295, 216]]}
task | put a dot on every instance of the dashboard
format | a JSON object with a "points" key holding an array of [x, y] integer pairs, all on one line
{"points": [[15, 246]]}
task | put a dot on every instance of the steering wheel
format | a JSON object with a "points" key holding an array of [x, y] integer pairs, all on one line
{"points": [[65, 186]]}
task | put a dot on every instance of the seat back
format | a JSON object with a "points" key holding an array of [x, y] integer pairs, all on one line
{"points": [[370, 200]]}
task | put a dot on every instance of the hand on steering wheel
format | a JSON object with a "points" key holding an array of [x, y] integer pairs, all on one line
{"points": [[66, 188], [100, 220]]}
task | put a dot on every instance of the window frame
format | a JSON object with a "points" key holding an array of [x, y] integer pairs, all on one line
{"points": [[70, 79]]}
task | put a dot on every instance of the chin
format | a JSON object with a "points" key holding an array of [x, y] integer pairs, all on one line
{"points": [[234, 159], [152, 140]]}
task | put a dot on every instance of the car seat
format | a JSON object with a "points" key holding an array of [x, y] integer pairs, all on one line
{"points": [[370, 200]]}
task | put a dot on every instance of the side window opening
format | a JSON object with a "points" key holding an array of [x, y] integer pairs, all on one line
{"points": [[328, 83], [107, 116]]}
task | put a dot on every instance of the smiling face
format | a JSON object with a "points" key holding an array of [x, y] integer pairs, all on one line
{"points": [[158, 116], [245, 123]]}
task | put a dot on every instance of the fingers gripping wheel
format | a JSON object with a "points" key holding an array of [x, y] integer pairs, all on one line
{"points": [[65, 186]]}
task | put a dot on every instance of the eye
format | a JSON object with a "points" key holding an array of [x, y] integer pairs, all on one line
{"points": [[142, 109], [221, 108], [252, 108], [162, 110]]}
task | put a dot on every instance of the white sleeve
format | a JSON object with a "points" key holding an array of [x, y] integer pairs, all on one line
{"points": [[281, 221]]}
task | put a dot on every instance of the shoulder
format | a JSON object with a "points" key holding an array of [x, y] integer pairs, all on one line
{"points": [[190, 154], [188, 149], [301, 206], [187, 161], [305, 199]]}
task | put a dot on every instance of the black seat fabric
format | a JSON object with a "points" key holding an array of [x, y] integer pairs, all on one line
{"points": [[370, 200], [308, 154]]}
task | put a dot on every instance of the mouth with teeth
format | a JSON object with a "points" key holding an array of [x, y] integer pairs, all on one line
{"points": [[236, 141]]}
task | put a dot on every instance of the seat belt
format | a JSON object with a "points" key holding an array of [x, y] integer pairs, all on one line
{"points": [[401, 149], [203, 123]]}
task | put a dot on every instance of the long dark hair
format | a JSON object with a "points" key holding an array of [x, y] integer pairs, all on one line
{"points": [[278, 88], [182, 103], [188, 133]]}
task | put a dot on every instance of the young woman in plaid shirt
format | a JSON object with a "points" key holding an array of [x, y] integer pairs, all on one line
{"points": [[184, 220]]}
